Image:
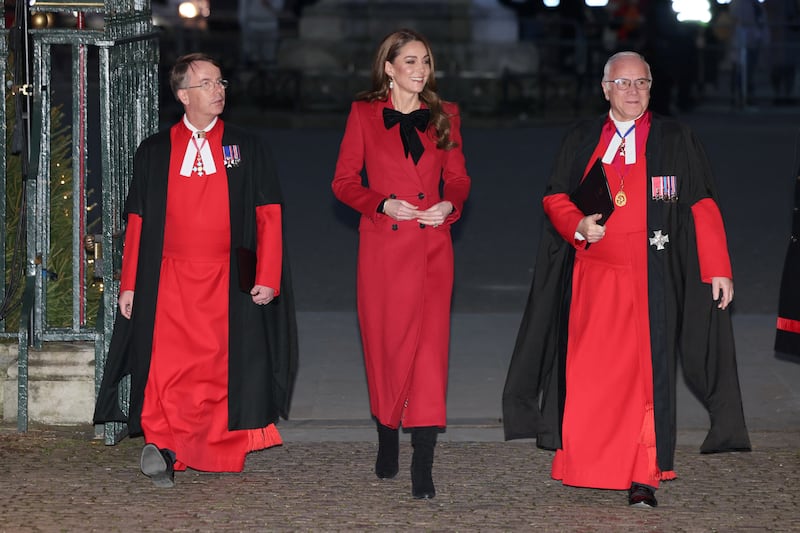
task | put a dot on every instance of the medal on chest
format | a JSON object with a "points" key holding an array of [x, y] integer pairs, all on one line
{"points": [[198, 168], [621, 199], [198, 165]]}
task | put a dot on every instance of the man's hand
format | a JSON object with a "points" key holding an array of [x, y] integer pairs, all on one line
{"points": [[722, 290], [125, 302], [589, 228], [262, 295]]}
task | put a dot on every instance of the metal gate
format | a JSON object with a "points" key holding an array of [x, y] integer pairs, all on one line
{"points": [[113, 71]]}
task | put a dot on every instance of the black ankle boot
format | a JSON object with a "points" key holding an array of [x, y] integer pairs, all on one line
{"points": [[386, 466], [423, 440]]}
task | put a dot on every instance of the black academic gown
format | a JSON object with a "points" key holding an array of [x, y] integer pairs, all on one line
{"points": [[262, 339], [684, 320], [787, 337]]}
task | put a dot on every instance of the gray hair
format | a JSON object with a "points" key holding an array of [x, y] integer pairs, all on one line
{"points": [[622, 55]]}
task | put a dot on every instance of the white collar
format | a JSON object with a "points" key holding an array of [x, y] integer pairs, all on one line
{"points": [[625, 131], [191, 127], [196, 145]]}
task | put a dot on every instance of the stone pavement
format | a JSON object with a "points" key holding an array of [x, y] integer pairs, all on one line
{"points": [[63, 480]]}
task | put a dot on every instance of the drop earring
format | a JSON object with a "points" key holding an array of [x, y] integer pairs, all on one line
{"points": [[391, 84]]}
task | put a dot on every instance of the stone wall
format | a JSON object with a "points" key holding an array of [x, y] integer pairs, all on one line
{"points": [[475, 45], [60, 383], [466, 35]]}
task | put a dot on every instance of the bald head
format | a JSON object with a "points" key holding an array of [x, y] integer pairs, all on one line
{"points": [[624, 56], [626, 85]]}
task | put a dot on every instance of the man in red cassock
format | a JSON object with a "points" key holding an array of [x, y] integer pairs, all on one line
{"points": [[211, 348], [787, 334], [593, 374]]}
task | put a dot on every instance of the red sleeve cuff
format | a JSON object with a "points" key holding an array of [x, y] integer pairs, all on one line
{"points": [[712, 244], [130, 253], [565, 217], [269, 246]]}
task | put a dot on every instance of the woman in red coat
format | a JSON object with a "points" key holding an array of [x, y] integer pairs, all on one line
{"points": [[409, 141]]}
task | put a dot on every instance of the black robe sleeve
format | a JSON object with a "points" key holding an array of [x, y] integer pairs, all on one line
{"points": [[534, 392], [129, 353], [263, 356], [685, 323]]}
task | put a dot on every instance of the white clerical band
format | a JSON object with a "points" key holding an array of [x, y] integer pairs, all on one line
{"points": [[190, 156], [616, 141]]}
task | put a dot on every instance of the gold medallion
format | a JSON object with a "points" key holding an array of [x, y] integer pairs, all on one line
{"points": [[620, 199]]}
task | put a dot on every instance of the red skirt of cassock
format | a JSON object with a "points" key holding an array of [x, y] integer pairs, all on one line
{"points": [[608, 434], [186, 397]]}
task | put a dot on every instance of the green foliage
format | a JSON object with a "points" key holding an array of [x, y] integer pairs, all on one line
{"points": [[13, 195], [60, 258]]}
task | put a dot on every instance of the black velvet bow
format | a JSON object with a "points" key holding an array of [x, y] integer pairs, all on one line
{"points": [[416, 119]]}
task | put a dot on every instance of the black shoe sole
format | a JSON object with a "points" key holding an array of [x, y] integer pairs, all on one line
{"points": [[642, 505], [155, 467]]}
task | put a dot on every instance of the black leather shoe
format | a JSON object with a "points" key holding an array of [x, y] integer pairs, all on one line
{"points": [[642, 496], [158, 466]]}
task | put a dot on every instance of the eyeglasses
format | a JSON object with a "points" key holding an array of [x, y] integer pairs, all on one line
{"points": [[208, 85], [623, 84]]}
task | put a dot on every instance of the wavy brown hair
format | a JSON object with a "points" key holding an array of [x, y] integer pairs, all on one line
{"points": [[388, 50]]}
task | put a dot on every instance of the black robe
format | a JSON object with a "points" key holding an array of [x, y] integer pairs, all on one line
{"points": [[684, 320], [787, 341], [262, 339]]}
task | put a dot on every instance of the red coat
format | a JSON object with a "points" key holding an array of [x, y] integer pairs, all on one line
{"points": [[405, 269]]}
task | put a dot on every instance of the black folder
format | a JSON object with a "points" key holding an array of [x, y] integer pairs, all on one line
{"points": [[246, 259], [593, 194]]}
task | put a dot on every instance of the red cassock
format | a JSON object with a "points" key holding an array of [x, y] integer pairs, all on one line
{"points": [[405, 269], [186, 397], [608, 430]]}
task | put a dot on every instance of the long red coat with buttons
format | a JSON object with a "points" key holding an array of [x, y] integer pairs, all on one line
{"points": [[405, 269]]}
